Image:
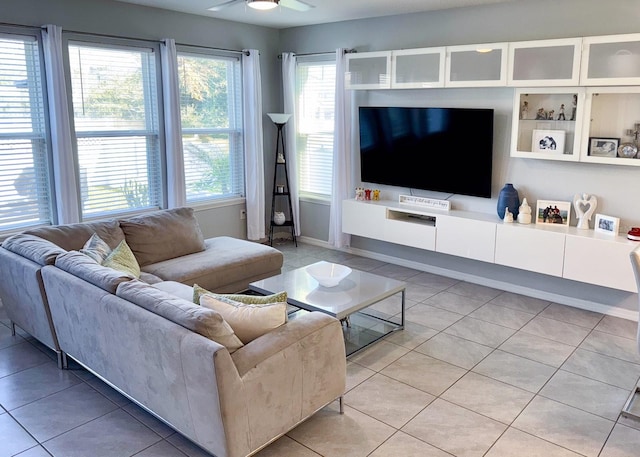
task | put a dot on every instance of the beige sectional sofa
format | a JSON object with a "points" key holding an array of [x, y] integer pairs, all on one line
{"points": [[143, 336]]}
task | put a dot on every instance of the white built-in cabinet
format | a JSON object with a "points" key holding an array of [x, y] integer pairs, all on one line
{"points": [[417, 68], [477, 65], [612, 60], [545, 63], [368, 70], [564, 252]]}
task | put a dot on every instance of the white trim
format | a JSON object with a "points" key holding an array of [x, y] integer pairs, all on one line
{"points": [[506, 286]]}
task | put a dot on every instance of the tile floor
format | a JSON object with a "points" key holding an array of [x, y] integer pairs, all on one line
{"points": [[476, 372]]}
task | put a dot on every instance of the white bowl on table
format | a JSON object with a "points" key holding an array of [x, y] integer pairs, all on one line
{"points": [[328, 274]]}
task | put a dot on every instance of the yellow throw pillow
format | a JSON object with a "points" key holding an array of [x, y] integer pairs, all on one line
{"points": [[242, 298], [96, 248], [248, 321], [122, 259]]}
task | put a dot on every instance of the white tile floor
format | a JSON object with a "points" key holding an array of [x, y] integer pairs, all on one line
{"points": [[476, 372]]}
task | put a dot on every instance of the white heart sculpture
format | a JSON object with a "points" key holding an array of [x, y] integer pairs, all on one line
{"points": [[584, 205]]}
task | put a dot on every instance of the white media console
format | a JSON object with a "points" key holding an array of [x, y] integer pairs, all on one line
{"points": [[580, 255]]}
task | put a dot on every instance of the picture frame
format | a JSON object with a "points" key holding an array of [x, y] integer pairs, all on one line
{"points": [[607, 224], [548, 141], [603, 147], [553, 212]]}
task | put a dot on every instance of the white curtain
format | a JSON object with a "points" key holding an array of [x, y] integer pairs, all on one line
{"points": [[176, 191], [289, 96], [64, 170], [342, 180], [254, 160]]}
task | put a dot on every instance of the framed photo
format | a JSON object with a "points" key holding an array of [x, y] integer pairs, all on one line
{"points": [[607, 224], [548, 141], [603, 147], [552, 212]]}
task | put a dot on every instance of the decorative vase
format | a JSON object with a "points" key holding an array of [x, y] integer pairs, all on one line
{"points": [[278, 218], [508, 198]]}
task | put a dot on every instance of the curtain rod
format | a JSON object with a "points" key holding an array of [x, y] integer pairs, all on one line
{"points": [[346, 51]]}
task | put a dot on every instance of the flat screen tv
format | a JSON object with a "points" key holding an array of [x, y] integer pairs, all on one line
{"points": [[439, 149]]}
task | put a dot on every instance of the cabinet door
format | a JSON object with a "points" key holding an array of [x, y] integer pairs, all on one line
{"points": [[611, 60], [544, 63], [611, 119], [363, 219], [368, 70], [476, 65], [603, 261], [414, 234], [530, 248], [417, 68], [468, 238], [547, 123]]}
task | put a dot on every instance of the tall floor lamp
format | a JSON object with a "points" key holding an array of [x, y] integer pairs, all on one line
{"points": [[278, 218]]}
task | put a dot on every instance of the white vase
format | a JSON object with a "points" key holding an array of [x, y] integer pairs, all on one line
{"points": [[278, 218]]}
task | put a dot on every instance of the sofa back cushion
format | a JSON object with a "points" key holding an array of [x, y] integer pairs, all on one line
{"points": [[72, 237], [206, 322], [34, 248], [163, 235], [84, 267]]}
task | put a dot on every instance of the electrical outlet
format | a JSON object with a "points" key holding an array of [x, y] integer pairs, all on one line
{"points": [[243, 214]]}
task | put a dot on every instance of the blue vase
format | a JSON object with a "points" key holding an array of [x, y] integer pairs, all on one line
{"points": [[508, 198]]}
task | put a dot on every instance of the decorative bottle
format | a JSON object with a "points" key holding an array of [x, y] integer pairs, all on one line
{"points": [[508, 197]]}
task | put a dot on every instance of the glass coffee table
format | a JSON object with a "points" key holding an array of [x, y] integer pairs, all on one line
{"points": [[350, 301]]}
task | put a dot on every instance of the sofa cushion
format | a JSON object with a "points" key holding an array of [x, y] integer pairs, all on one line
{"points": [[227, 265], [96, 248], [85, 268], [177, 288], [72, 237], [34, 248], [242, 298], [206, 322], [248, 321], [122, 259], [163, 235]]}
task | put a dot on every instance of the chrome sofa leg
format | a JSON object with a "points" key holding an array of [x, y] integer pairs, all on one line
{"points": [[62, 360], [13, 328], [341, 401]]}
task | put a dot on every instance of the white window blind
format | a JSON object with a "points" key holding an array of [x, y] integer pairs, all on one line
{"points": [[315, 88], [115, 109], [211, 113], [25, 197]]}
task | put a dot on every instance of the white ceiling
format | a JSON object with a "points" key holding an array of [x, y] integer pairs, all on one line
{"points": [[324, 11]]}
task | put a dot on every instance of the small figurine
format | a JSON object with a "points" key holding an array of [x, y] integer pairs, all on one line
{"points": [[561, 113], [550, 115], [508, 215], [359, 193], [585, 205], [280, 157], [376, 194], [524, 212], [367, 194], [540, 114], [524, 111], [574, 107]]}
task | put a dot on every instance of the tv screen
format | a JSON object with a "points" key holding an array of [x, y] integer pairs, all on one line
{"points": [[439, 149]]}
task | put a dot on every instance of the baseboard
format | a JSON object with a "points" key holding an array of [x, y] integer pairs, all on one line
{"points": [[502, 285]]}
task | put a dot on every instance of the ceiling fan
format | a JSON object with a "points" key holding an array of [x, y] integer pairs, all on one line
{"points": [[297, 5]]}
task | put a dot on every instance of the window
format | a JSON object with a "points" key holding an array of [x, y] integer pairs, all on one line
{"points": [[115, 111], [211, 113], [315, 87], [25, 196]]}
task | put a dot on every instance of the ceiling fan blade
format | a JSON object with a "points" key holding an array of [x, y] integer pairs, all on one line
{"points": [[297, 5], [224, 5]]}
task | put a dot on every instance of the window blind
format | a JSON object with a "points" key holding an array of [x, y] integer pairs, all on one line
{"points": [[315, 87], [211, 113], [25, 197], [115, 109]]}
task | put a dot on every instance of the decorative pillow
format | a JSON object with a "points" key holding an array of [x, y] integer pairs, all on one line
{"points": [[122, 259], [163, 235], [248, 321], [96, 248], [242, 298]]}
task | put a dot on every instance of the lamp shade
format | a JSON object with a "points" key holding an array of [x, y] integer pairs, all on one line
{"points": [[279, 118], [262, 4]]}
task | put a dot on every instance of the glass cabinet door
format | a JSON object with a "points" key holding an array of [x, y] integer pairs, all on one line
{"points": [[476, 65], [611, 60], [368, 70], [612, 126], [547, 123], [545, 63], [417, 68]]}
